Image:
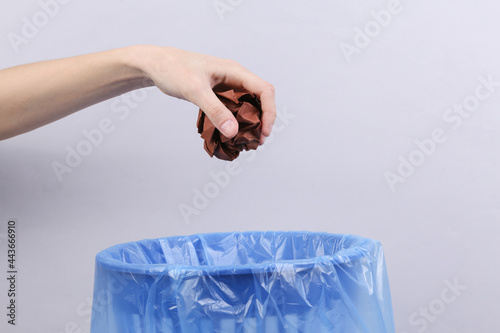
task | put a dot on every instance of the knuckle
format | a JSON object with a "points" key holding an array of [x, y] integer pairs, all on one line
{"points": [[215, 111], [270, 87], [233, 63]]}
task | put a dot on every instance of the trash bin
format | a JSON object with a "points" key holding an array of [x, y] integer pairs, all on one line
{"points": [[262, 282]]}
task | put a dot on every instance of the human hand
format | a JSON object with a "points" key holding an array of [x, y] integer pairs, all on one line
{"points": [[193, 76]]}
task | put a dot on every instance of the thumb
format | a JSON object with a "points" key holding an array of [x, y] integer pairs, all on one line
{"points": [[218, 114]]}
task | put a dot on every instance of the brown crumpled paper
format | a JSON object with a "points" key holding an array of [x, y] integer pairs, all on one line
{"points": [[247, 111]]}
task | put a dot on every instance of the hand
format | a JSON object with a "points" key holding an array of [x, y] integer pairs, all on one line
{"points": [[193, 76], [36, 94]]}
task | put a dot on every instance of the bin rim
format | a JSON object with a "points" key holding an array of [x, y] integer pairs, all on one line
{"points": [[359, 248]]}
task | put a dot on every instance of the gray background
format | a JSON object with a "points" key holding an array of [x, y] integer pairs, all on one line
{"points": [[347, 124]]}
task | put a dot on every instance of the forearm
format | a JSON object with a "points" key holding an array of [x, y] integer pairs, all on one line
{"points": [[36, 94]]}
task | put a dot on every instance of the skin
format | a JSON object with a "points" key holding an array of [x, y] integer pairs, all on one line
{"points": [[36, 94]]}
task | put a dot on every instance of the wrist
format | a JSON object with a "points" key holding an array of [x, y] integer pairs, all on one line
{"points": [[136, 60], [147, 60]]}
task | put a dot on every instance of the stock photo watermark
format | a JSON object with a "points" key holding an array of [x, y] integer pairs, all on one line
{"points": [[222, 7], [364, 35], [32, 25], [97, 304], [453, 117], [426, 315], [220, 180], [11, 272], [94, 137]]}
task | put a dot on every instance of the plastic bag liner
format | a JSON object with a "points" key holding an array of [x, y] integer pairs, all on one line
{"points": [[243, 282]]}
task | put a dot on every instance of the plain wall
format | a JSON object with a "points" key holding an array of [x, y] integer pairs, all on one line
{"points": [[359, 100]]}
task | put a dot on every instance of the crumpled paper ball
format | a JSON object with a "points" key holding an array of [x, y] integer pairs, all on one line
{"points": [[247, 110]]}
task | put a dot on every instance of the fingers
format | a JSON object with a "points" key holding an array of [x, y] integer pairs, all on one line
{"points": [[220, 116], [228, 73], [238, 76], [268, 111]]}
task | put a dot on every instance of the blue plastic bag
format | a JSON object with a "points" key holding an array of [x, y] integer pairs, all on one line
{"points": [[259, 282]]}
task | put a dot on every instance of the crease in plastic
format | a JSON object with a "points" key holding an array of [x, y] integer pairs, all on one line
{"points": [[258, 282]]}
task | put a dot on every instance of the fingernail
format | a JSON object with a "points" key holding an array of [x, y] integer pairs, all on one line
{"points": [[227, 127]]}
